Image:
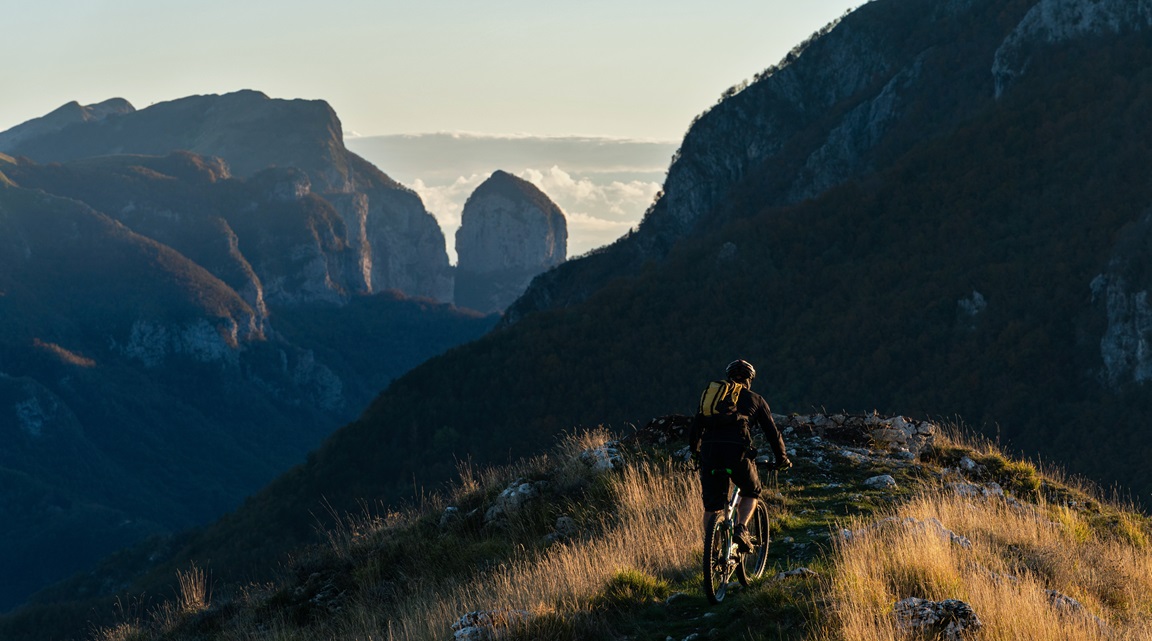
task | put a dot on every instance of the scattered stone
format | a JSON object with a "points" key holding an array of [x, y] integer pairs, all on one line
{"points": [[804, 572], [858, 459], [675, 598], [695, 636], [450, 516], [605, 458], [486, 625], [565, 529], [883, 481], [904, 455], [663, 429], [893, 433], [931, 524], [949, 620], [889, 438], [1067, 606], [972, 490], [512, 499]]}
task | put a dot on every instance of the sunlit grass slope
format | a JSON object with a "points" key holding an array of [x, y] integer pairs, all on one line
{"points": [[1035, 556]]}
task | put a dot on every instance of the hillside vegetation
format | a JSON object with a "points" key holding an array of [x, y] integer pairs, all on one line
{"points": [[598, 550]]}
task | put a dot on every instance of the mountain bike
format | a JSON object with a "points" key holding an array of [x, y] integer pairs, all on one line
{"points": [[722, 556]]}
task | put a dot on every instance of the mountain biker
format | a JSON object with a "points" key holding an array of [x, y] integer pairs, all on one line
{"points": [[723, 447]]}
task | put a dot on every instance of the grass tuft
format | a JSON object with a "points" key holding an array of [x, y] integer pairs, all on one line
{"points": [[631, 587]]}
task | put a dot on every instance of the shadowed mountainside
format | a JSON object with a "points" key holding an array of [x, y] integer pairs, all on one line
{"points": [[989, 264], [172, 338]]}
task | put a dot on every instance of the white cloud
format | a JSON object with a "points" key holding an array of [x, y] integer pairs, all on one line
{"points": [[598, 211], [446, 203]]}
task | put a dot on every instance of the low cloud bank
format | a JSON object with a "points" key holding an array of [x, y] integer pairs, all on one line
{"points": [[598, 211], [604, 185]]}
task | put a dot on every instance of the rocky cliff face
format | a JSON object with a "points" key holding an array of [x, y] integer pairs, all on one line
{"points": [[1056, 21], [183, 334], [839, 107], [388, 240], [510, 231]]}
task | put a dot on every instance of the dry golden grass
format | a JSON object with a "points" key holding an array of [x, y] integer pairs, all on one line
{"points": [[1018, 554], [653, 530], [1087, 549]]}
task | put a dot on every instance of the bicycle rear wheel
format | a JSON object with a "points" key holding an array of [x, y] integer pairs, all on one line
{"points": [[717, 549], [752, 564]]}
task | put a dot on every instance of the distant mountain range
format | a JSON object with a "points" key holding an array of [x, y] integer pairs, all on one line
{"points": [[176, 328], [931, 208]]}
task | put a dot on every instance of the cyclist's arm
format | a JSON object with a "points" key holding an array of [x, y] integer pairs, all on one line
{"points": [[697, 433], [763, 417]]}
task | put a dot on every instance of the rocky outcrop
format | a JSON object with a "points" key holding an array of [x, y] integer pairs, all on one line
{"points": [[1120, 298], [948, 620], [1055, 21], [839, 107], [388, 241], [510, 231]]}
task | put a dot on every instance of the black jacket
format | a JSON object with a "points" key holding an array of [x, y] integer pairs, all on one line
{"points": [[751, 409]]}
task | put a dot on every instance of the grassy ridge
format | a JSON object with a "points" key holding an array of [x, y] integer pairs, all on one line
{"points": [[631, 567]]}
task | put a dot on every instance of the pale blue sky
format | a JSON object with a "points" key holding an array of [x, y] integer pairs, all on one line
{"points": [[630, 69]]}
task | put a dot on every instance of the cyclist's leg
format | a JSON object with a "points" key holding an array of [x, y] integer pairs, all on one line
{"points": [[713, 483], [744, 509], [745, 476]]}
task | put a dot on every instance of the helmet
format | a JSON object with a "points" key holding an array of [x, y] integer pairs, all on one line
{"points": [[740, 369]]}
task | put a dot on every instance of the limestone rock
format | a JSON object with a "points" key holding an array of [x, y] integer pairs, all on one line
{"points": [[1054, 21], [512, 499], [486, 625], [883, 481], [797, 572], [949, 620], [605, 458], [372, 234], [510, 231]]}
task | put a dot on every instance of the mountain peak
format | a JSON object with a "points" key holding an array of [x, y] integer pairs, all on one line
{"points": [[64, 116], [510, 231], [507, 185]]}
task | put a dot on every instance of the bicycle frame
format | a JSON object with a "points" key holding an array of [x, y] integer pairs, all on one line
{"points": [[722, 557]]}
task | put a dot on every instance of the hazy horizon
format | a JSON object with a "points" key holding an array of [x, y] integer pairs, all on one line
{"points": [[638, 70]]}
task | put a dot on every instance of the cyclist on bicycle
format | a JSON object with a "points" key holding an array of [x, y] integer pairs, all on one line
{"points": [[722, 444]]}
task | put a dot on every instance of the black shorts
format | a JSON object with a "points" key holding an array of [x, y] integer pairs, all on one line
{"points": [[721, 462]]}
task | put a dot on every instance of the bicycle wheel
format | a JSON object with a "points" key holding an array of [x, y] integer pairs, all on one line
{"points": [[752, 564], [717, 549]]}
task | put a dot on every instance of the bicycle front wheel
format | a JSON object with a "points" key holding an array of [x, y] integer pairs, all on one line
{"points": [[717, 551], [752, 564]]}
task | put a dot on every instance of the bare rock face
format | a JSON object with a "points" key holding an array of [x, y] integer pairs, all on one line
{"points": [[289, 148], [510, 231]]}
